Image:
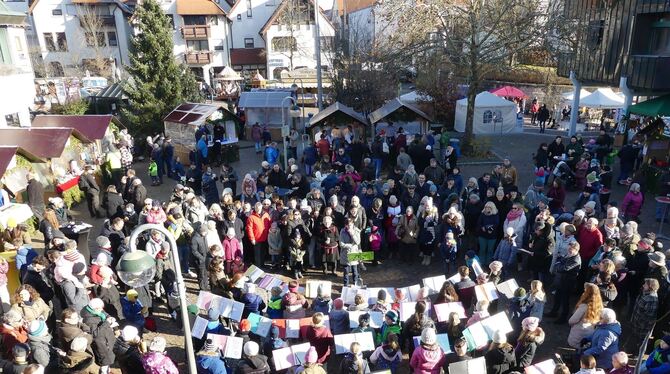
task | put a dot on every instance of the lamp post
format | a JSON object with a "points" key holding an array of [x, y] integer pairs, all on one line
{"points": [[302, 89], [137, 268], [285, 131]]}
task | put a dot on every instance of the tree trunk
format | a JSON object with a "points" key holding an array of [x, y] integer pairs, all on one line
{"points": [[467, 145]]}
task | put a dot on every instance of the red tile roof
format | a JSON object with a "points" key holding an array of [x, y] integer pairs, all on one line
{"points": [[247, 56], [40, 142], [91, 127]]}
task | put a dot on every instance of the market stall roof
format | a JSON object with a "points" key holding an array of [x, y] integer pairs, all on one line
{"points": [[193, 113], [247, 56], [228, 74], [198, 8], [337, 109], [263, 99], [48, 142], [570, 95], [414, 97], [113, 91], [87, 127], [6, 155], [656, 107], [392, 106], [487, 99], [508, 91], [602, 98]]}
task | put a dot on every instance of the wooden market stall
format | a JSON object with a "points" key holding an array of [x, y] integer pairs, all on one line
{"points": [[396, 114], [338, 117], [183, 122]]}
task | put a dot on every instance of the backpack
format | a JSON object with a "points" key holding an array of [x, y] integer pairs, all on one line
{"points": [[83, 183]]}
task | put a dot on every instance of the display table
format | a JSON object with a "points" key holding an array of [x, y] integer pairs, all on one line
{"points": [[20, 212], [60, 188], [79, 232], [13, 279]]}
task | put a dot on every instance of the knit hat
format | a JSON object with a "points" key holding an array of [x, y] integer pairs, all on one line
{"points": [[338, 303], [79, 344], [213, 314], [392, 315], [250, 349], [530, 323], [428, 336], [193, 309], [129, 333], [520, 292], [657, 258], [580, 213], [495, 266], [103, 242], [608, 315], [570, 229], [393, 199], [96, 304], [132, 294], [591, 205], [227, 191], [293, 286], [433, 188], [21, 350], [381, 295], [499, 337], [11, 222], [311, 356], [38, 328], [209, 346], [538, 184], [78, 268], [158, 344], [245, 325]]}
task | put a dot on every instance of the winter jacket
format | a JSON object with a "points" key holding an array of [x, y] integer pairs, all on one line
{"points": [[41, 349], [132, 312], [488, 226], [604, 344], [253, 365], [210, 363], [103, 337], [352, 364], [67, 333], [294, 305], [519, 225], [579, 329], [339, 321], [321, 339], [542, 248], [231, 249], [32, 310], [506, 251], [525, 351], [79, 363], [408, 229], [385, 331], [11, 337], [75, 297], [258, 227], [296, 251], [350, 242], [500, 360], [128, 357], [322, 305], [632, 204], [385, 358], [427, 359], [275, 242], [252, 304], [158, 363], [589, 242], [199, 249], [658, 361]]}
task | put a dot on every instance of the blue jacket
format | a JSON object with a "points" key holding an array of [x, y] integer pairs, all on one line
{"points": [[252, 304], [132, 312], [322, 305], [604, 343], [271, 155], [311, 156], [24, 257], [339, 321], [658, 361], [215, 327], [202, 148], [210, 364], [506, 252], [487, 226]]}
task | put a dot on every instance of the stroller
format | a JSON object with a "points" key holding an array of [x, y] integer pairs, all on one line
{"points": [[563, 172]]}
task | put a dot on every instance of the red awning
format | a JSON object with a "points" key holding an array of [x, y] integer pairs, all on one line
{"points": [[41, 142], [508, 91], [6, 155], [91, 127]]}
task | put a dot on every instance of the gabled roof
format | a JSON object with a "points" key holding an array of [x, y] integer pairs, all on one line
{"points": [[48, 142], [334, 110], [126, 8], [392, 106], [87, 128], [198, 8], [278, 11], [193, 113], [351, 6], [6, 155]]}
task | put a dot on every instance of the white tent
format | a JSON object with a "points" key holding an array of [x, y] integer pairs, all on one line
{"points": [[602, 98], [413, 97], [493, 115], [570, 95]]}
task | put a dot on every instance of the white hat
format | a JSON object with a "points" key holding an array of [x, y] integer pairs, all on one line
{"points": [[428, 336], [509, 231], [612, 212], [129, 333], [158, 344], [608, 315], [580, 213], [499, 337], [79, 344], [96, 303], [591, 205], [251, 349], [230, 231]]}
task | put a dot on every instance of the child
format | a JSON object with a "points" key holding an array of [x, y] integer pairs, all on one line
{"points": [[391, 325], [518, 309], [506, 251], [275, 309], [153, 173], [495, 276], [471, 259], [388, 355], [536, 299], [375, 243], [354, 362], [322, 303], [233, 255], [449, 250], [296, 252], [275, 243], [363, 324]]}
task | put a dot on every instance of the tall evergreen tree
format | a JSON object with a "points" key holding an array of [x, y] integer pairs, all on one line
{"points": [[157, 82]]}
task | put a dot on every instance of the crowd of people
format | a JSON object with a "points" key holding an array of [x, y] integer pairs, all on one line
{"points": [[73, 315]]}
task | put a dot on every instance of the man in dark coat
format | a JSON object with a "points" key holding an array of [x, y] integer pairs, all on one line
{"points": [[567, 269], [199, 254], [100, 323], [35, 195], [113, 202], [139, 194], [92, 192]]}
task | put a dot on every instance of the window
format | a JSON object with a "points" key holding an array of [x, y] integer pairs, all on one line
{"points": [[249, 9], [111, 39], [49, 42], [13, 120], [197, 45], [218, 45], [61, 41], [284, 44], [194, 20], [57, 12], [659, 42], [492, 116], [248, 42], [213, 20]]}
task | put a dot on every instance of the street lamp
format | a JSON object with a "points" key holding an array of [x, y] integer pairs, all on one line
{"points": [[294, 86], [285, 130], [137, 268]]}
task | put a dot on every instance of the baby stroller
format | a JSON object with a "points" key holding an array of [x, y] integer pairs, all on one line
{"points": [[563, 172]]}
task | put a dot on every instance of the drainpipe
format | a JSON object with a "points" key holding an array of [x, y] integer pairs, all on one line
{"points": [[627, 92], [574, 114]]}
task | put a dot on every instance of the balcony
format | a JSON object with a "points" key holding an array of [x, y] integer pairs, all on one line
{"points": [[649, 72], [195, 32], [198, 57]]}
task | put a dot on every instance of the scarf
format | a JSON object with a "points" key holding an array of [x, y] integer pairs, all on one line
{"points": [[514, 214], [102, 315]]}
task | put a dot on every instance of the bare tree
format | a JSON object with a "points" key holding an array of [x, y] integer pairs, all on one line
{"points": [[93, 27], [294, 14]]}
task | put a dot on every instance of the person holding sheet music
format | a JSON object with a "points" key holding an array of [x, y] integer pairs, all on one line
{"points": [[353, 362], [293, 302], [319, 336], [531, 337], [391, 325], [387, 356], [252, 361], [465, 287], [541, 246], [350, 242], [414, 325], [500, 357], [487, 234], [209, 360], [428, 357]]}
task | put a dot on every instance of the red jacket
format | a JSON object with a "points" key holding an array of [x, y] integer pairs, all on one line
{"points": [[10, 338], [258, 227], [324, 147], [321, 339], [589, 242]]}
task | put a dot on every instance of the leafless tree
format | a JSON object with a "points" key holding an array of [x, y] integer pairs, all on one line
{"points": [[93, 36], [295, 14]]}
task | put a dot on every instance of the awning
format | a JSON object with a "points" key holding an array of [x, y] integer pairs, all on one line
{"points": [[114, 91], [198, 8], [6, 155], [337, 109], [393, 106], [264, 99], [570, 95], [659, 106], [40, 142], [91, 127], [193, 113], [508, 91]]}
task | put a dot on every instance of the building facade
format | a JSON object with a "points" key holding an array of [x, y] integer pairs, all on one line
{"points": [[16, 73], [615, 39]]}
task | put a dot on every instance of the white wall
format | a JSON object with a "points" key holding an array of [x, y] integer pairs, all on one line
{"points": [[17, 79], [249, 27]]}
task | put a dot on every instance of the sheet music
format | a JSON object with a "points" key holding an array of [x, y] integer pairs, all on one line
{"points": [[374, 291], [407, 309], [254, 273], [231, 309], [313, 286], [544, 367], [477, 268], [474, 366], [445, 309], [486, 291], [434, 284], [292, 328], [234, 347], [343, 342], [199, 327], [496, 322], [508, 288]]}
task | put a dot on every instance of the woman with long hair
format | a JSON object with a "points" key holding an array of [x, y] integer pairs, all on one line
{"points": [[556, 195], [353, 362], [414, 325], [454, 327], [49, 227], [428, 223], [447, 294], [586, 315], [531, 337], [536, 299], [29, 304], [487, 232]]}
